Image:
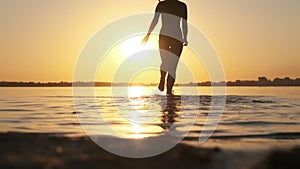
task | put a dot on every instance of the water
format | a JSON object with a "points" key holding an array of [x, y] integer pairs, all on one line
{"points": [[251, 113]]}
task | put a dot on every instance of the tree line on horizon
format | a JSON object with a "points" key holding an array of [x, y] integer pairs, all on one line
{"points": [[261, 81]]}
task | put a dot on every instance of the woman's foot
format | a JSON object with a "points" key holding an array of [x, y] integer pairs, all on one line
{"points": [[170, 83], [170, 93], [161, 85]]}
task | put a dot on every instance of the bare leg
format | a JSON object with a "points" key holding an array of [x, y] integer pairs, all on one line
{"points": [[163, 73], [161, 85], [170, 83]]}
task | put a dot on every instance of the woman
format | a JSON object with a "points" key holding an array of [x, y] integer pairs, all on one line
{"points": [[172, 38]]}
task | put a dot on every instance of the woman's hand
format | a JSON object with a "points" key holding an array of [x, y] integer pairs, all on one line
{"points": [[145, 39], [185, 42]]}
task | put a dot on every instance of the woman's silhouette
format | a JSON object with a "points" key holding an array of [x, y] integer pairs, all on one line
{"points": [[172, 38]]}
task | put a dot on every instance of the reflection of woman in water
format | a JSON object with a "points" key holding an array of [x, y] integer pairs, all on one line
{"points": [[170, 108], [172, 38]]}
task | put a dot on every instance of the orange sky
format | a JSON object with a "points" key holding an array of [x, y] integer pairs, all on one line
{"points": [[41, 40]]}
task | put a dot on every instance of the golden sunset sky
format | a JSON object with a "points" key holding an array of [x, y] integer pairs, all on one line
{"points": [[40, 40]]}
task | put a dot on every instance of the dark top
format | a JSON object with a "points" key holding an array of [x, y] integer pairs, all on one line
{"points": [[172, 7], [172, 12]]}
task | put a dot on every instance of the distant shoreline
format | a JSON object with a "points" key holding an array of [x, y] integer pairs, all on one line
{"points": [[262, 81], [150, 86]]}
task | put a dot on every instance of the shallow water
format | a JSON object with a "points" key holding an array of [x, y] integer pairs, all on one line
{"points": [[250, 113]]}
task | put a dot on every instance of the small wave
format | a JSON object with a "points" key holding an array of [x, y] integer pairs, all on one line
{"points": [[10, 121], [79, 124], [22, 128], [281, 106], [291, 135], [14, 110], [260, 123], [208, 131], [232, 99], [263, 101], [29, 105], [55, 107]]}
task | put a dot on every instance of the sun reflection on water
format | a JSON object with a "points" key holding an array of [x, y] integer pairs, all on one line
{"points": [[136, 129], [142, 114]]}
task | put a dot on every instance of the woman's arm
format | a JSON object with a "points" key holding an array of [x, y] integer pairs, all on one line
{"points": [[185, 31], [185, 27], [152, 26]]}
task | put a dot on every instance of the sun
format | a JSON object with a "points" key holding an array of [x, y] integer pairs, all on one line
{"points": [[134, 45]]}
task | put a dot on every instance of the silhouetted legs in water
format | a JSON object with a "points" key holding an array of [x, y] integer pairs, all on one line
{"points": [[170, 82]]}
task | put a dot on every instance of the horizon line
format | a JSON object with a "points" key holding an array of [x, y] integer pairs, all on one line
{"points": [[261, 81], [61, 81]]}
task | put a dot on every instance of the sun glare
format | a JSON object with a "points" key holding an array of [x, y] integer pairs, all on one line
{"points": [[136, 91], [134, 45]]}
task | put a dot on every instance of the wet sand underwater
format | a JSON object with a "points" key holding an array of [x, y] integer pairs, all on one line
{"points": [[49, 151]]}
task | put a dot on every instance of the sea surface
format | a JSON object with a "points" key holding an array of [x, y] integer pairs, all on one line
{"points": [[251, 114]]}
